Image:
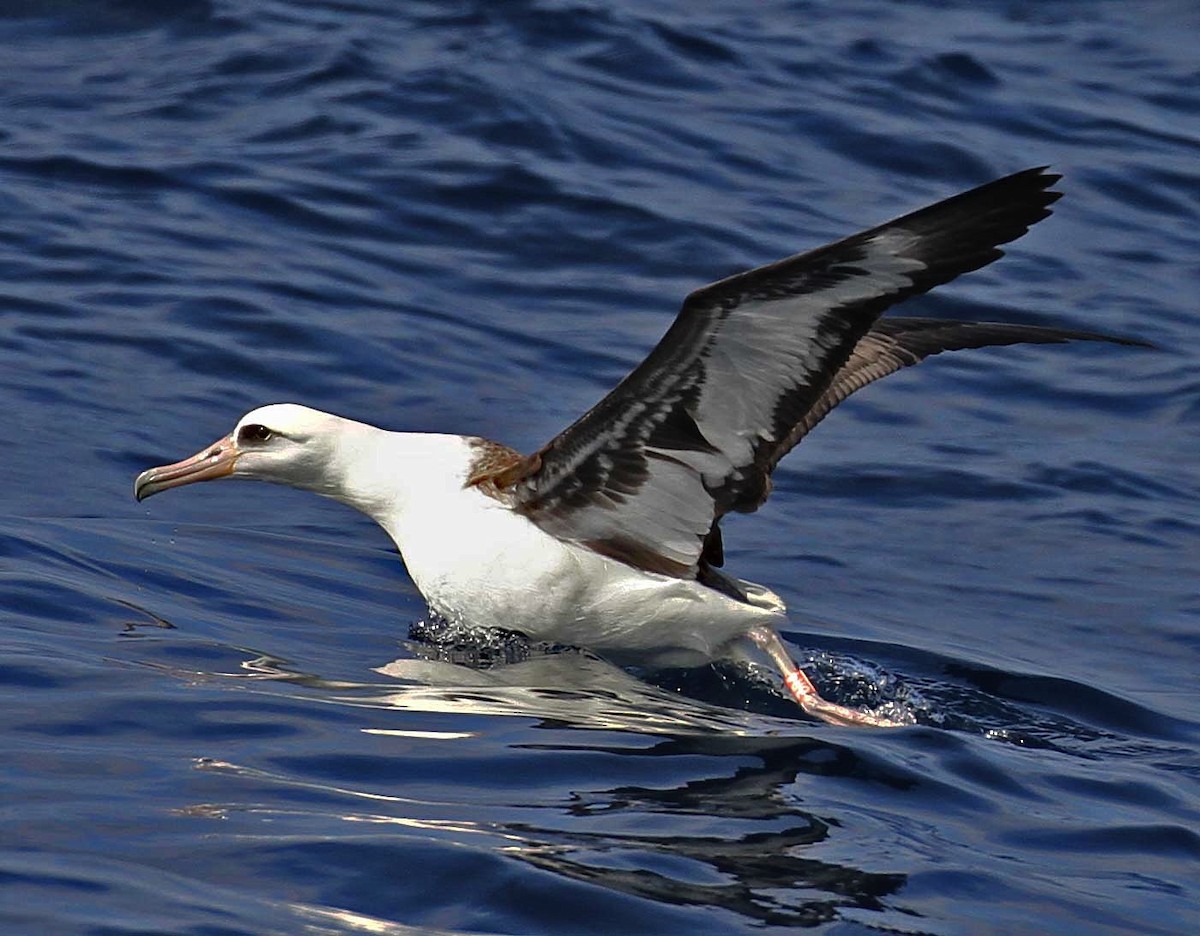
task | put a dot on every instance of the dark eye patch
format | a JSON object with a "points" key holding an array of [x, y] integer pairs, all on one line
{"points": [[255, 432]]}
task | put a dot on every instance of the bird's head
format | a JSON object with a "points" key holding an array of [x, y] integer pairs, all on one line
{"points": [[284, 442]]}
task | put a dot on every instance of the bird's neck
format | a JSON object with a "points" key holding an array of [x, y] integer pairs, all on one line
{"points": [[388, 475]]}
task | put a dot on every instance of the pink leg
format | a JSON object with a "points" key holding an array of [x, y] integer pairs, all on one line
{"points": [[804, 692]]}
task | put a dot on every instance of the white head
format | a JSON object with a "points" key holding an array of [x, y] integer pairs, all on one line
{"points": [[284, 442]]}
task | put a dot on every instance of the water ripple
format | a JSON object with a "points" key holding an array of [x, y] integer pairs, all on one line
{"points": [[423, 215]]}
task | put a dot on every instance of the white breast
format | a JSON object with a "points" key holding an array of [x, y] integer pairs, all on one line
{"points": [[478, 563]]}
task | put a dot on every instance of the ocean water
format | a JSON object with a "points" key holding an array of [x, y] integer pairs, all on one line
{"points": [[476, 217]]}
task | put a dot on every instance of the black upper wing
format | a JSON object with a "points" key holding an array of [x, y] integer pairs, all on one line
{"points": [[750, 364]]}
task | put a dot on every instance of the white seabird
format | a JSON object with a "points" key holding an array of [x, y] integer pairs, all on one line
{"points": [[608, 537]]}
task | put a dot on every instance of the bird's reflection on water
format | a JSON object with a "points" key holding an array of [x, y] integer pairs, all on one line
{"points": [[701, 790], [715, 821], [748, 854], [759, 874]]}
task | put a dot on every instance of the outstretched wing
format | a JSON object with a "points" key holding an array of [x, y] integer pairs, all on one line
{"points": [[748, 366], [895, 343]]}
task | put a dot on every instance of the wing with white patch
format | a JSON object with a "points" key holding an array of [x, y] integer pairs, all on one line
{"points": [[694, 431]]}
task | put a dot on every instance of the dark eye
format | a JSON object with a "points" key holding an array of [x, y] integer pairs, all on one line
{"points": [[254, 432]]}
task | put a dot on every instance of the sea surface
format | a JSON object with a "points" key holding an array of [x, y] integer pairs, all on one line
{"points": [[476, 217]]}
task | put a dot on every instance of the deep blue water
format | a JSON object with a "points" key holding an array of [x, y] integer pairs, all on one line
{"points": [[476, 217]]}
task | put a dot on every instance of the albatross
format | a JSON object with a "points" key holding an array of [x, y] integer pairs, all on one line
{"points": [[608, 537]]}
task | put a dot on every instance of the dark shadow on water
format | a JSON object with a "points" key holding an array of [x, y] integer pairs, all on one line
{"points": [[760, 875]]}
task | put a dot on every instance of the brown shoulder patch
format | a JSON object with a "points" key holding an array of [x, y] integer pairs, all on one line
{"points": [[495, 468]]}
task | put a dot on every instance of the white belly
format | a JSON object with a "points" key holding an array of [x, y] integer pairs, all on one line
{"points": [[478, 563]]}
